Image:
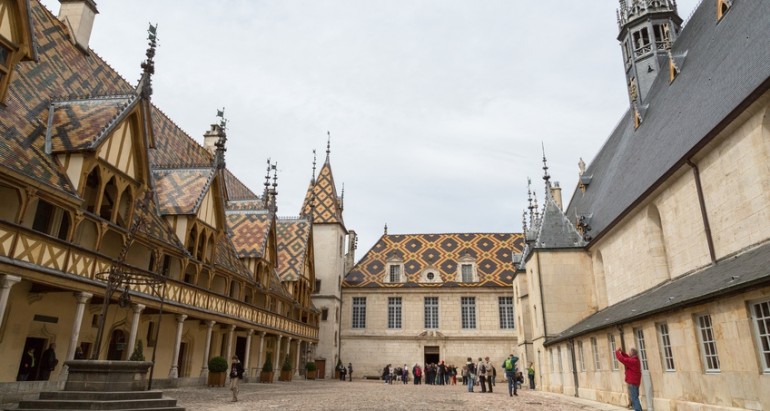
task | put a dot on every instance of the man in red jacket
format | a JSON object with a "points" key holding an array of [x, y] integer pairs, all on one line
{"points": [[633, 375]]}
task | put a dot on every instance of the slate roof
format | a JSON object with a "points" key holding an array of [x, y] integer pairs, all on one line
{"points": [[493, 254], [328, 207], [293, 237], [732, 274], [726, 62], [556, 231]]}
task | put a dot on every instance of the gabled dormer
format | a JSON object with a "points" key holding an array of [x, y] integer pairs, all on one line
{"points": [[16, 39]]}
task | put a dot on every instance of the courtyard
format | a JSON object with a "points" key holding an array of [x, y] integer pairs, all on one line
{"points": [[372, 395]]}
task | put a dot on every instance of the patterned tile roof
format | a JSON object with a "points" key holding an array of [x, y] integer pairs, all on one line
{"points": [[61, 70], [181, 191], [328, 207], [174, 148], [228, 258], [81, 124], [236, 190], [293, 240], [250, 232], [442, 253]]}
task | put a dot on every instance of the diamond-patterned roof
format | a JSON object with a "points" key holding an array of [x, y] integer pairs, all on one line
{"points": [[81, 124], [236, 190], [328, 209], [180, 191], [442, 253], [293, 239], [226, 257], [250, 232], [174, 148]]}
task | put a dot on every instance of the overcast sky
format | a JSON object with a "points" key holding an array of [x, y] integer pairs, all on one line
{"points": [[437, 109]]}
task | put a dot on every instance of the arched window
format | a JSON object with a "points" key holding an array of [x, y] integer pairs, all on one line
{"points": [[91, 190], [11, 204], [124, 208], [192, 239], [109, 198]]}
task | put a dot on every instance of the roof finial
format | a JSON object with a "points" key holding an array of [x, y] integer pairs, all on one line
{"points": [[148, 66], [386, 229], [220, 144], [546, 177], [537, 210], [274, 191], [531, 208], [328, 145], [581, 167], [266, 193], [342, 198], [312, 180], [524, 222]]}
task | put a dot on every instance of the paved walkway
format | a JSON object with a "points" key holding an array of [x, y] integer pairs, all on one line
{"points": [[373, 395]]}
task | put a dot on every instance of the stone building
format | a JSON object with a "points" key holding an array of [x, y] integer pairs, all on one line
{"points": [[664, 245], [425, 298], [98, 187]]}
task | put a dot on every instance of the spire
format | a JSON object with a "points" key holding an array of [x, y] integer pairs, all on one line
{"points": [[546, 177], [312, 179], [524, 222], [530, 207], [273, 206], [328, 145], [342, 198], [328, 203], [266, 192], [220, 144], [386, 229], [144, 88]]}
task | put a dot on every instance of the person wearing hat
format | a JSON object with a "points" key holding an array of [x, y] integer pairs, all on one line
{"points": [[236, 373]]}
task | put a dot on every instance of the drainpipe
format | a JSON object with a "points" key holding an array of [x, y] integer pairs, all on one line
{"points": [[571, 344], [702, 202], [542, 297]]}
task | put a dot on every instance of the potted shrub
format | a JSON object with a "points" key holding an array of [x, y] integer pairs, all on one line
{"points": [[217, 372], [138, 354], [266, 375], [311, 370], [286, 370]]}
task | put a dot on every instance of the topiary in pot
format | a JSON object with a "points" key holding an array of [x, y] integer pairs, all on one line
{"points": [[286, 364], [268, 365], [217, 364], [138, 354], [310, 366], [286, 369], [217, 372], [311, 370]]}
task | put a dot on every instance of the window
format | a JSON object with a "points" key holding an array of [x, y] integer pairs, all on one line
{"points": [[468, 312], [395, 273], [708, 343], [581, 357], [760, 314], [394, 312], [467, 273], [506, 312], [722, 8], [324, 314], [51, 220], [317, 288], [8, 14], [641, 41], [665, 347], [613, 358], [431, 312], [359, 312], [641, 347], [595, 352], [553, 360], [558, 354], [661, 32]]}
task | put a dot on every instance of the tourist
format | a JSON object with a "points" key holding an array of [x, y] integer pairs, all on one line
{"points": [[236, 373], [386, 374], [350, 372], [494, 375], [509, 365], [27, 364], [481, 371], [453, 374], [633, 375], [341, 368], [471, 373], [417, 372], [48, 362], [441, 373], [531, 376], [488, 369], [405, 374]]}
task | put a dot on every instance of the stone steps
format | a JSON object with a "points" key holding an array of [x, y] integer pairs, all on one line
{"points": [[90, 400]]}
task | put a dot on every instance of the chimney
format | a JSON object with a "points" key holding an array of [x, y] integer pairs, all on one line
{"points": [[211, 137], [350, 256], [79, 16], [556, 194]]}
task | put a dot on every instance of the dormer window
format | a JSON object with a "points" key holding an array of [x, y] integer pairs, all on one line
{"points": [[430, 275], [466, 270], [723, 6], [395, 269], [394, 273]]}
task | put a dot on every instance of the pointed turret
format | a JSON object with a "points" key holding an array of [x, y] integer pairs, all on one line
{"points": [[647, 30], [323, 193]]}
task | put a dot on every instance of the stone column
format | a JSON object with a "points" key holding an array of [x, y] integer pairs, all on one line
{"points": [[288, 349], [82, 299], [299, 349], [205, 368], [247, 356], [277, 362], [138, 308], [261, 349], [230, 337], [6, 282], [174, 372]]}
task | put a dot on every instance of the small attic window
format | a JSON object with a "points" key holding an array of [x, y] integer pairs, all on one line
{"points": [[673, 70], [723, 6]]}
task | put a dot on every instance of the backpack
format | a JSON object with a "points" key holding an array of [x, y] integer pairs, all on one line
{"points": [[483, 369], [508, 364], [472, 368]]}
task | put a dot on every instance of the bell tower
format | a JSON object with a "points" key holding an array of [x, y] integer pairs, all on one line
{"points": [[647, 30]]}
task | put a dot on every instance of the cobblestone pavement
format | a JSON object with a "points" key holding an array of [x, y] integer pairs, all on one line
{"points": [[372, 395]]}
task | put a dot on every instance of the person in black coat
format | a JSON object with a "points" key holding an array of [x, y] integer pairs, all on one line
{"points": [[48, 362], [236, 374], [27, 365]]}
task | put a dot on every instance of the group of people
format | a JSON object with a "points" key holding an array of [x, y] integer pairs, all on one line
{"points": [[32, 368], [345, 371]]}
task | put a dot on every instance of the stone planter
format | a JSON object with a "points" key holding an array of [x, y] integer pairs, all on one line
{"points": [[266, 376], [311, 375], [285, 375], [106, 376]]}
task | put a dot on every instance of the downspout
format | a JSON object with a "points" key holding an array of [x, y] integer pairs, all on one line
{"points": [[542, 297], [702, 202], [574, 366]]}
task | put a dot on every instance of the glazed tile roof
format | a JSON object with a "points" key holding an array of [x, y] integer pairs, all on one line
{"points": [[174, 148], [250, 231], [328, 207], [293, 240], [62, 72], [82, 124], [236, 190], [493, 255], [181, 191], [228, 258]]}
